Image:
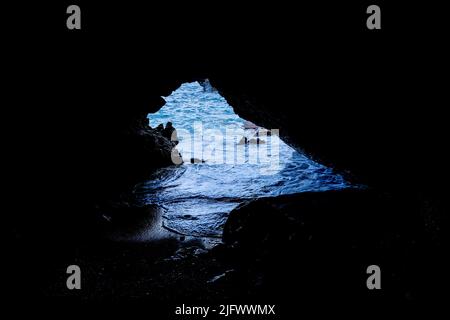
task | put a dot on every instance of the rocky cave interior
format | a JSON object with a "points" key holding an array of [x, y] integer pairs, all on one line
{"points": [[341, 110]]}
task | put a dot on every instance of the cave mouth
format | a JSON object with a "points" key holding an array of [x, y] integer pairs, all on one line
{"points": [[227, 160]]}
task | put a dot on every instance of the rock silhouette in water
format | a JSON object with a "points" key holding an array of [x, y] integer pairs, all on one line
{"points": [[257, 131], [160, 127], [196, 160], [245, 140], [170, 133]]}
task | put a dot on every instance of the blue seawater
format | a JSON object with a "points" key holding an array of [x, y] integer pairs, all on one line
{"points": [[197, 198]]}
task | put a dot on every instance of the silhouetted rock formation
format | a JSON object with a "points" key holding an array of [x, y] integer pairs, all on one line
{"points": [[305, 242]]}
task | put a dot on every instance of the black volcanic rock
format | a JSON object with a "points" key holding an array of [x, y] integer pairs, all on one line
{"points": [[319, 244]]}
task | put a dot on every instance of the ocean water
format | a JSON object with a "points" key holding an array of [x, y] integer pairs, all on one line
{"points": [[197, 197]]}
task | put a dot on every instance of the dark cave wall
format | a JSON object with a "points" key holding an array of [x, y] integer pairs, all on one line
{"points": [[370, 104], [379, 120]]}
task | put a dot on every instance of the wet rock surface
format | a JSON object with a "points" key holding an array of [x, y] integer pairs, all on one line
{"points": [[320, 244], [316, 245]]}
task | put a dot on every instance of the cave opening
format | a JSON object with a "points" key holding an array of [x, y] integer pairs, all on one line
{"points": [[227, 160]]}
